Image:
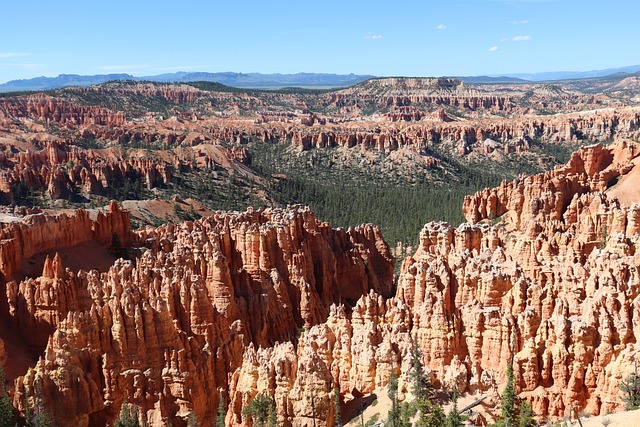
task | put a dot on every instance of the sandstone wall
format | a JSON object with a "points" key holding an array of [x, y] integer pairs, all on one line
{"points": [[167, 332]]}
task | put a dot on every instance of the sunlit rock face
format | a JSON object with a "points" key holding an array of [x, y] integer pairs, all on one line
{"points": [[168, 330]]}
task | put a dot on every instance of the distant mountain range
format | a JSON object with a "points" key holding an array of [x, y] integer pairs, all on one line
{"points": [[620, 73], [307, 80], [571, 75], [248, 80]]}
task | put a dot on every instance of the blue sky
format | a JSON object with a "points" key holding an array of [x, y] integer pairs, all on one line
{"points": [[417, 38]]}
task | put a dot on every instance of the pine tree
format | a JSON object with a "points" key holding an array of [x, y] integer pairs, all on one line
{"points": [[338, 422], [27, 406], [7, 417], [429, 414], [422, 388], [509, 400], [272, 420], [630, 387], [425, 409], [407, 410], [435, 417], [394, 411], [453, 418], [192, 420], [222, 413], [258, 409], [41, 417], [525, 417], [128, 416]]}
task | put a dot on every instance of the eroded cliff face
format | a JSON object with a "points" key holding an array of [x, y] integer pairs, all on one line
{"points": [[38, 232], [556, 278], [555, 287], [351, 353], [166, 331], [52, 110], [413, 116], [465, 137], [229, 306], [547, 195], [56, 169], [403, 92]]}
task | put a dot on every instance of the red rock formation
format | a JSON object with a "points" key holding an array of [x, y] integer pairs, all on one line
{"points": [[355, 353], [546, 196], [53, 110], [560, 287], [557, 278], [60, 170], [402, 92], [166, 332], [296, 122], [219, 303], [41, 232]]}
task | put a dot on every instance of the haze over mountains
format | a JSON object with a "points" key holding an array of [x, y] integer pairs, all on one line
{"points": [[250, 80], [310, 80], [564, 75]]}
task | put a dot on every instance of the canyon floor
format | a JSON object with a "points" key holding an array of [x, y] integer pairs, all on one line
{"points": [[179, 247]]}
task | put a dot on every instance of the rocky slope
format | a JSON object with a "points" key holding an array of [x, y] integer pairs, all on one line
{"points": [[53, 144], [56, 169], [57, 149], [51, 110], [556, 279], [403, 92], [556, 290], [289, 117], [215, 307], [235, 304], [167, 330]]}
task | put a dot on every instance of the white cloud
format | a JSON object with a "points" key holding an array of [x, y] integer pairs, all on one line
{"points": [[521, 38], [493, 48], [372, 36], [524, 21], [441, 27], [12, 54]]}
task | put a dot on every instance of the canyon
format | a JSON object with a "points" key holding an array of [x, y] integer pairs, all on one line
{"points": [[179, 316], [141, 126], [276, 301], [166, 330]]}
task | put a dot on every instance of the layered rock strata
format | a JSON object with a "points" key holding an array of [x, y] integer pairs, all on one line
{"points": [[275, 301], [291, 117], [517, 133], [216, 307], [555, 292], [554, 285], [53, 110], [166, 331], [60, 170]]}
